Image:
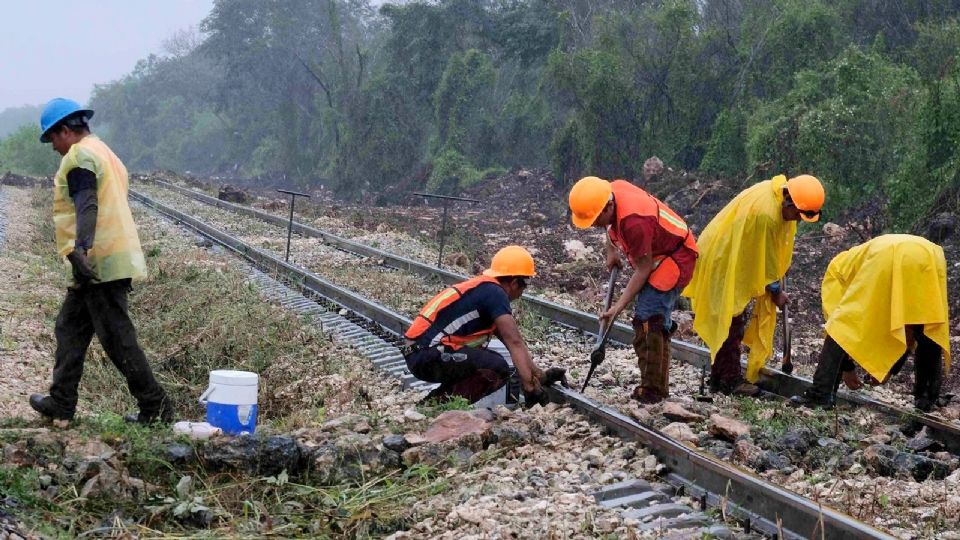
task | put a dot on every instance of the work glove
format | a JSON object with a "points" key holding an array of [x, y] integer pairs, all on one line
{"points": [[554, 375], [82, 271], [535, 397]]}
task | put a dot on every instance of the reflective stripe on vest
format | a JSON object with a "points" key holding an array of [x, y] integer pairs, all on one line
{"points": [[630, 201], [116, 252], [432, 309]]}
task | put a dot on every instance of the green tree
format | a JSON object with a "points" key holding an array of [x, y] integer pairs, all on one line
{"points": [[852, 122], [726, 152], [22, 153]]}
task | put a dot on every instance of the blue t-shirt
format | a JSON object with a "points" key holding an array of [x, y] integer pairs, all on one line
{"points": [[474, 311]]}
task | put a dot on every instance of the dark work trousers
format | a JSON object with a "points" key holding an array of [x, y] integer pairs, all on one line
{"points": [[101, 309], [726, 371], [928, 367], [468, 372]]}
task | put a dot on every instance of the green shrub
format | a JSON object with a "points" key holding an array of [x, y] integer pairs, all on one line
{"points": [[23, 153], [853, 123], [726, 152]]}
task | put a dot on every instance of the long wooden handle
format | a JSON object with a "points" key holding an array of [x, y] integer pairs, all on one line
{"points": [[614, 274], [787, 365]]}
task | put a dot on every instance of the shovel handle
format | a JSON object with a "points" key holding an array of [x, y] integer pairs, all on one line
{"points": [[608, 299], [787, 365], [604, 331]]}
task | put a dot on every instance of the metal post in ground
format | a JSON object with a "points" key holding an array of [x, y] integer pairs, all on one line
{"points": [[293, 198], [443, 235], [443, 222]]}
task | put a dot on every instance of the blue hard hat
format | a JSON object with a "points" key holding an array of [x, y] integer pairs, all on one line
{"points": [[56, 110]]}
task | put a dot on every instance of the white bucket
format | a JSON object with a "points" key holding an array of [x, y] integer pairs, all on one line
{"points": [[231, 400]]}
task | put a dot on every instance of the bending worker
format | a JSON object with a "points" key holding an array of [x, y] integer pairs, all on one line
{"points": [[95, 232], [745, 252], [882, 300], [447, 342], [661, 250]]}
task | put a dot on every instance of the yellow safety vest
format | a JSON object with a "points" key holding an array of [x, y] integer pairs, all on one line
{"points": [[116, 252]]}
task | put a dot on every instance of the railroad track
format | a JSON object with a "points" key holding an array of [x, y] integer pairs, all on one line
{"points": [[771, 380], [756, 503]]}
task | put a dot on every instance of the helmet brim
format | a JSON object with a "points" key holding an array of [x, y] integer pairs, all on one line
{"points": [[45, 136], [582, 223], [490, 272]]}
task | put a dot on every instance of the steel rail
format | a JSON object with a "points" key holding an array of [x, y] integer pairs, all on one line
{"points": [[760, 504], [771, 380]]}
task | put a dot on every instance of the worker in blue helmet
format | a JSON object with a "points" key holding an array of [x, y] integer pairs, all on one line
{"points": [[58, 110], [95, 233]]}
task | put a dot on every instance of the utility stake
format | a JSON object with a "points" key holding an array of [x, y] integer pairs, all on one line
{"points": [[293, 198], [443, 222]]}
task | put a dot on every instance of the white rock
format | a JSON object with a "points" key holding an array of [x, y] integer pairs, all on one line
{"points": [[576, 250], [954, 477], [413, 415], [680, 431]]}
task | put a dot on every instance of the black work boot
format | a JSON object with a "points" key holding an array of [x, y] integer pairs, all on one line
{"points": [[163, 415], [48, 408], [813, 400], [735, 387], [438, 395]]}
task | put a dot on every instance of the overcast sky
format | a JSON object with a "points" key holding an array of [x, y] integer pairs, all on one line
{"points": [[51, 48]]}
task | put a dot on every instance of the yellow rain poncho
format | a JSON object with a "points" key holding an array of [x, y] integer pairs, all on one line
{"points": [[872, 291], [747, 246]]}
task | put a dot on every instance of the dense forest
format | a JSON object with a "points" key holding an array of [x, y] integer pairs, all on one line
{"points": [[863, 93]]}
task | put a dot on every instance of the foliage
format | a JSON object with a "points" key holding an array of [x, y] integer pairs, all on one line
{"points": [[462, 103], [22, 153], [436, 93], [726, 153], [451, 170], [849, 122], [435, 408]]}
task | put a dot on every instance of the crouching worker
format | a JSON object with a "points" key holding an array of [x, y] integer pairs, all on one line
{"points": [[882, 300], [447, 342]]}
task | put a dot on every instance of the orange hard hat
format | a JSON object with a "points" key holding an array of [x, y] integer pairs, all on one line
{"points": [[588, 197], [808, 196], [511, 261]]}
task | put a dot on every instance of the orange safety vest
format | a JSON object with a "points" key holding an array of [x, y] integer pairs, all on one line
{"points": [[631, 200], [447, 297]]}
